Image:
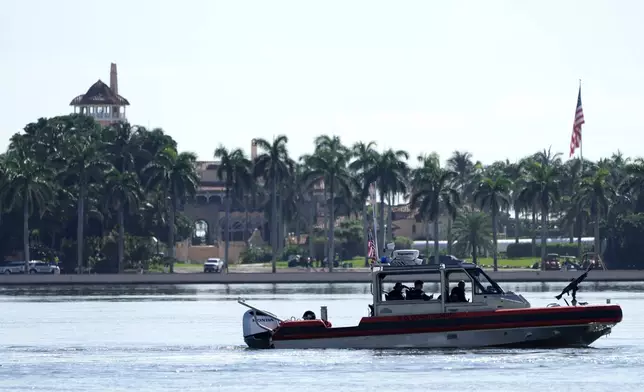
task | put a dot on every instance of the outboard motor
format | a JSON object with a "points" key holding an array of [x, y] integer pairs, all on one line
{"points": [[254, 335]]}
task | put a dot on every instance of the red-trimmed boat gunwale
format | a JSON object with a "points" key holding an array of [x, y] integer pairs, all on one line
{"points": [[448, 322]]}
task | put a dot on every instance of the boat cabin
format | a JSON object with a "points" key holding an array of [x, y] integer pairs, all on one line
{"points": [[393, 290]]}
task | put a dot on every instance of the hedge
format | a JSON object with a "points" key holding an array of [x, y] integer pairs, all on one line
{"points": [[515, 251]]}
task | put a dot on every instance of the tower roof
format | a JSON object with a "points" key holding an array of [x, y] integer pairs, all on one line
{"points": [[99, 94]]}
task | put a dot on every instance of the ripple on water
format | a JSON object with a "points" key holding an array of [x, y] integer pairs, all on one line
{"points": [[195, 345]]}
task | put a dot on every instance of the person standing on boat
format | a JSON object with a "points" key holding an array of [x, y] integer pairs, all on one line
{"points": [[417, 292], [397, 293]]}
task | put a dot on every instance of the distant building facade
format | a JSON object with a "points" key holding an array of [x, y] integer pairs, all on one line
{"points": [[207, 210], [103, 102]]}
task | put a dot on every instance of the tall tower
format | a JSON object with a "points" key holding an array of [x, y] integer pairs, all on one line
{"points": [[102, 102]]}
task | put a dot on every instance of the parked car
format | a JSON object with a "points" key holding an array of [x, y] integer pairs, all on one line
{"points": [[12, 267], [41, 267], [213, 265]]}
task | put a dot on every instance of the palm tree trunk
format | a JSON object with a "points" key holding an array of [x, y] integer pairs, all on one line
{"points": [[474, 249], [121, 244], [171, 224], [312, 223], [517, 225], [428, 227], [247, 232], [534, 231], [79, 227], [280, 227], [494, 240], [544, 237], [597, 240], [332, 230], [580, 226], [390, 232], [326, 223], [227, 243], [365, 233], [25, 231], [436, 249], [449, 235], [274, 225]]}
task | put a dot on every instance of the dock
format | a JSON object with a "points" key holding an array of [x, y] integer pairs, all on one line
{"points": [[295, 278]]}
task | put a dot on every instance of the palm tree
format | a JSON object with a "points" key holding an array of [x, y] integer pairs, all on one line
{"points": [[471, 231], [86, 163], [461, 163], [633, 183], [329, 165], [175, 175], [365, 155], [236, 172], [274, 167], [25, 185], [390, 173], [493, 194], [595, 193], [514, 173], [124, 192], [432, 192], [543, 189]]}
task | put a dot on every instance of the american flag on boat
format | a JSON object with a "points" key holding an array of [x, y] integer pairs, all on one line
{"points": [[575, 140], [371, 246]]}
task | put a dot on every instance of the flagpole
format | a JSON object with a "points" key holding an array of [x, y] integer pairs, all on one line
{"points": [[581, 143], [375, 227]]}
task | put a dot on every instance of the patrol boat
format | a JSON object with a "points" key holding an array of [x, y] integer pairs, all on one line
{"points": [[491, 317]]}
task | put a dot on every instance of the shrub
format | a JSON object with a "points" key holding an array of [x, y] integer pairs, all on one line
{"points": [[403, 242], [515, 251]]}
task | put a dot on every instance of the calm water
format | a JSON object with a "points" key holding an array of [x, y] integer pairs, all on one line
{"points": [[188, 338]]}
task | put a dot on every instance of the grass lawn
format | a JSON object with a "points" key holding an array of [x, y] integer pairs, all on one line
{"points": [[524, 262], [358, 262]]}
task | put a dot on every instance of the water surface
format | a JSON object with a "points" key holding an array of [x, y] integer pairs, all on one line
{"points": [[188, 338]]}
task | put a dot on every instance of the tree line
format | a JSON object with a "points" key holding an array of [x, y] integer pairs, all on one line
{"points": [[94, 195], [87, 195], [544, 194]]}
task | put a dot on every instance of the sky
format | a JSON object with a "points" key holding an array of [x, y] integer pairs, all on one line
{"points": [[496, 78]]}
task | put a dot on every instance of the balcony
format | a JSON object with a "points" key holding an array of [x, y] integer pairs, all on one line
{"points": [[108, 116]]}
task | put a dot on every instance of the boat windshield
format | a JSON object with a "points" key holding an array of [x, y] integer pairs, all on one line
{"points": [[485, 284]]}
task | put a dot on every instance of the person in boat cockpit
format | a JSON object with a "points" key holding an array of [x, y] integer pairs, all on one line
{"points": [[397, 293], [458, 293], [418, 293]]}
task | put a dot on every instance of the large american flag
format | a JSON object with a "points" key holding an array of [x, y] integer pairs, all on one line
{"points": [[575, 140], [371, 246]]}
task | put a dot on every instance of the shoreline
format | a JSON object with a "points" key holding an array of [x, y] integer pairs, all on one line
{"points": [[296, 278]]}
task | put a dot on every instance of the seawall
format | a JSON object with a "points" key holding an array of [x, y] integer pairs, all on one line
{"points": [[295, 277]]}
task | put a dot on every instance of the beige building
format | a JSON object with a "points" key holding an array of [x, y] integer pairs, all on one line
{"points": [[102, 102], [406, 224]]}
